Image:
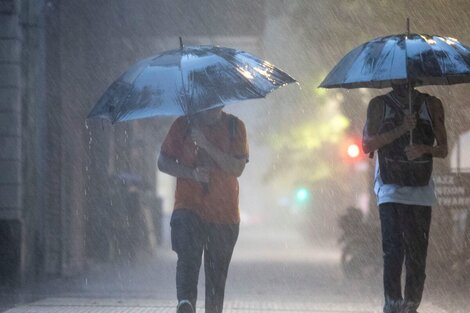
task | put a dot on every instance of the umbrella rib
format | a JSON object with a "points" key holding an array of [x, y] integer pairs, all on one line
{"points": [[362, 50], [458, 47], [383, 59], [118, 116], [448, 57], [437, 60], [455, 50], [226, 57], [391, 63], [461, 49], [212, 84], [255, 89], [186, 104], [349, 56]]}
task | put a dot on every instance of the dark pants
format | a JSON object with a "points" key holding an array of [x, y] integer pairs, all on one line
{"points": [[405, 232], [190, 237]]}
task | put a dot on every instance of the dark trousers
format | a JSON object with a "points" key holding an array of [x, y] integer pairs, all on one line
{"points": [[190, 237], [405, 233]]}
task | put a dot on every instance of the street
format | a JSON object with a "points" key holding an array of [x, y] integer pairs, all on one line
{"points": [[273, 270], [309, 115]]}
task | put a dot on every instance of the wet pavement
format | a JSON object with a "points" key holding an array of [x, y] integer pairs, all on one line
{"points": [[272, 271], [82, 305]]}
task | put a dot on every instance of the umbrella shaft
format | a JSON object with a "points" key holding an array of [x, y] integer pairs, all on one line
{"points": [[411, 110]]}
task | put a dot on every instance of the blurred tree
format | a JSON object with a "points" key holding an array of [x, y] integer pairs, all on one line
{"points": [[308, 130], [310, 143]]}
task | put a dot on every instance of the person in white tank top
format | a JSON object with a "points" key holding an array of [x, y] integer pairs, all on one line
{"points": [[404, 206]]}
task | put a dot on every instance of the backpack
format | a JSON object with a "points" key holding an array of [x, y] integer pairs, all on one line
{"points": [[394, 166]]}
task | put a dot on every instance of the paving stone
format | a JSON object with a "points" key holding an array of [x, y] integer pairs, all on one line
{"points": [[84, 305]]}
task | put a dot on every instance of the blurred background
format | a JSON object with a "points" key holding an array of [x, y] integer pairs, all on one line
{"points": [[77, 194]]}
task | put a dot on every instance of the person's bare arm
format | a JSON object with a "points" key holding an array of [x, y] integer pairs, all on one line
{"points": [[439, 150], [174, 168], [232, 165], [371, 140]]}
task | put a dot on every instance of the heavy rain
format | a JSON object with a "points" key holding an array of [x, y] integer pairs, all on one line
{"points": [[88, 192]]}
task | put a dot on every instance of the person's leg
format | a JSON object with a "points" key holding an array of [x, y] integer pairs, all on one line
{"points": [[187, 240], [416, 221], [392, 256], [217, 255]]}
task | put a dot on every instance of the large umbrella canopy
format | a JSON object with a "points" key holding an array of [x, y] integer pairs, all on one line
{"points": [[419, 59], [186, 81]]}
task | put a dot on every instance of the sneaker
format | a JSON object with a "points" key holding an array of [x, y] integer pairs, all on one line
{"points": [[393, 306], [184, 306], [409, 307]]}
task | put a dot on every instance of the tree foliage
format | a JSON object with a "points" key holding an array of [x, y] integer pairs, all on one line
{"points": [[306, 137]]}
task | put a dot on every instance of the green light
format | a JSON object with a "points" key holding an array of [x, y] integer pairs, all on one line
{"points": [[302, 195]]}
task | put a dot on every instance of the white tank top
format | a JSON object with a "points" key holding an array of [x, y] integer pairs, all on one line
{"points": [[412, 195]]}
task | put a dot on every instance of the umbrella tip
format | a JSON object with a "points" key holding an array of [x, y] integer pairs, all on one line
{"points": [[408, 26], [181, 43]]}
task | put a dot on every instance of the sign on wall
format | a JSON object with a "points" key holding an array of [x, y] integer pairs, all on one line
{"points": [[453, 190]]}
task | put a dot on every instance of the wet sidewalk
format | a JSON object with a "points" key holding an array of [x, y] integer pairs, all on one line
{"points": [[271, 271], [76, 305]]}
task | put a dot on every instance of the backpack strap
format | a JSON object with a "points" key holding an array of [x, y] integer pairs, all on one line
{"points": [[393, 103], [187, 130], [425, 101], [371, 154], [232, 126]]}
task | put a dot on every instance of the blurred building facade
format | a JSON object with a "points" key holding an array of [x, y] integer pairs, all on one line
{"points": [[68, 188], [74, 192], [22, 138]]}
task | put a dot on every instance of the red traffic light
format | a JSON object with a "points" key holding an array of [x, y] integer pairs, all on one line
{"points": [[351, 150]]}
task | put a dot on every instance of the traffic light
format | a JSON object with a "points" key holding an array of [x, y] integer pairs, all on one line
{"points": [[351, 150], [302, 200], [302, 195]]}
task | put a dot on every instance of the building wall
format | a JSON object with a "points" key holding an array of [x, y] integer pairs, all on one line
{"points": [[21, 132], [56, 58], [10, 110], [11, 180]]}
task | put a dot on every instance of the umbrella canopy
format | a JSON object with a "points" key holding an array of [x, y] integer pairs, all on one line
{"points": [[186, 81], [419, 59]]}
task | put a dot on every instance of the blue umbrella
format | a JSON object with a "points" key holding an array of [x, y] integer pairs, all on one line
{"points": [[397, 59], [416, 59], [186, 81]]}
